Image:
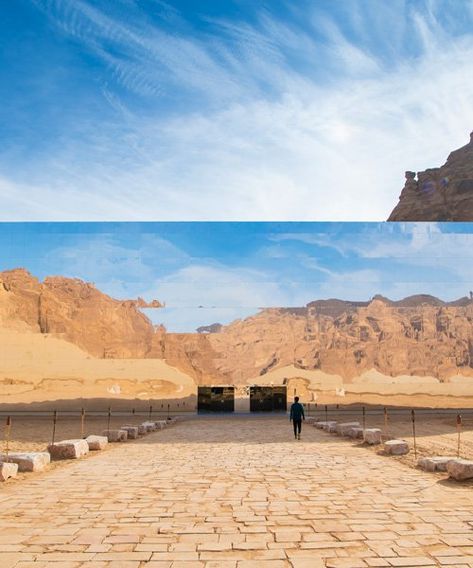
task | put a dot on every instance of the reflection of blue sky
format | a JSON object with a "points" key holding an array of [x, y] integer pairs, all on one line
{"points": [[232, 269]]}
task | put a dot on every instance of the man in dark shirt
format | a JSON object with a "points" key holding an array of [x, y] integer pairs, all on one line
{"points": [[297, 415]]}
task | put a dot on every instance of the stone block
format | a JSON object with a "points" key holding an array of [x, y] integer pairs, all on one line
{"points": [[331, 427], [160, 424], [115, 435], [150, 426], [132, 431], [96, 442], [343, 427], [142, 430], [373, 436], [396, 447], [68, 449], [355, 432], [8, 470], [434, 464], [460, 469], [29, 461]]}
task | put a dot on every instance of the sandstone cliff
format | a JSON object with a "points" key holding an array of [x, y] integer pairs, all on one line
{"points": [[439, 194]]}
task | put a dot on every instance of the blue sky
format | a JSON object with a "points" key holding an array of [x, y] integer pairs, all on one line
{"points": [[229, 109], [209, 272]]}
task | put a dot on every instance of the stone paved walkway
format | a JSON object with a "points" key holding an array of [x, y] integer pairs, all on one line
{"points": [[235, 493]]}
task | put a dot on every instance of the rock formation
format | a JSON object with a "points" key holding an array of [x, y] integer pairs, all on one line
{"points": [[439, 194]]}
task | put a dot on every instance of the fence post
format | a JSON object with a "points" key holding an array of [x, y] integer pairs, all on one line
{"points": [[82, 423], [168, 410], [7, 437], [386, 420], [459, 430], [364, 421], [150, 411], [326, 413], [54, 426], [413, 418], [108, 421]]}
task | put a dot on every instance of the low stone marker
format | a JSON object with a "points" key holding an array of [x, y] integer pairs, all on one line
{"points": [[355, 432], [96, 443], [29, 461], [460, 469], [331, 427], [150, 426], [8, 470], [132, 431], [68, 449], [116, 435], [396, 447], [435, 463], [343, 427], [160, 424], [142, 430], [373, 436]]}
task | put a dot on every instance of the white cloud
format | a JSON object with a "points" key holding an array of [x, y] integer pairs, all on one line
{"points": [[275, 139]]}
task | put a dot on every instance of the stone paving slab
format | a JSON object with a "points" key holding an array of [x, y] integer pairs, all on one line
{"points": [[236, 493]]}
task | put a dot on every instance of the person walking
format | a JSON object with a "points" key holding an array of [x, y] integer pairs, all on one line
{"points": [[297, 416]]}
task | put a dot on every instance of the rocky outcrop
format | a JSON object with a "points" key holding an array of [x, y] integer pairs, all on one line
{"points": [[439, 194], [212, 328]]}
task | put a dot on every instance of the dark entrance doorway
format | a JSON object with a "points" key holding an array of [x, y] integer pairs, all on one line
{"points": [[268, 399], [215, 399]]}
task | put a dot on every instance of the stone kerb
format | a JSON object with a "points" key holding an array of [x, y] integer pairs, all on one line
{"points": [[68, 449], [29, 461], [8, 470], [116, 435], [331, 427], [460, 469], [343, 427], [132, 431], [373, 436], [434, 463], [161, 424], [150, 426], [142, 430], [355, 432], [96, 443], [396, 447]]}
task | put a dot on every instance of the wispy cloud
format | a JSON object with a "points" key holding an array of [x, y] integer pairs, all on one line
{"points": [[313, 116]]}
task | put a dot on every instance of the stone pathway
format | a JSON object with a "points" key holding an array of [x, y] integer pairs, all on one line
{"points": [[235, 492]]}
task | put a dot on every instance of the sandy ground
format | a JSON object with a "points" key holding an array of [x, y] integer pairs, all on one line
{"points": [[436, 433]]}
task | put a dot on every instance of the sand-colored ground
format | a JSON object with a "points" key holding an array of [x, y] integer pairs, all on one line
{"points": [[236, 493]]}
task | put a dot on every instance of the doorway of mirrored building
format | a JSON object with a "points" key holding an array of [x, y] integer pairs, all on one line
{"points": [[216, 399], [268, 399]]}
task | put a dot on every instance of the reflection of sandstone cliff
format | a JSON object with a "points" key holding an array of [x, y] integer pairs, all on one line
{"points": [[420, 335], [439, 194], [77, 312]]}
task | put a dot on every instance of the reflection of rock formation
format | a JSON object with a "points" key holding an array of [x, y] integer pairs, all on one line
{"points": [[420, 335], [439, 194], [77, 312], [212, 328]]}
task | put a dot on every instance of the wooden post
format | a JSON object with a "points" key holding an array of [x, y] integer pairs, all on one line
{"points": [[54, 426], [109, 419], [82, 423], [364, 421], [413, 418], [459, 430], [386, 420], [150, 412], [7, 437], [326, 413], [168, 411]]}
